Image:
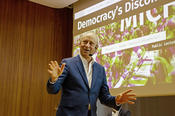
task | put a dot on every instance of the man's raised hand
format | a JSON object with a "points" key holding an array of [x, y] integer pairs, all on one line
{"points": [[55, 70], [125, 97]]}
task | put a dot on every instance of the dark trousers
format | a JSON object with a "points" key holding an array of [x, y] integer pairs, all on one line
{"points": [[89, 112]]}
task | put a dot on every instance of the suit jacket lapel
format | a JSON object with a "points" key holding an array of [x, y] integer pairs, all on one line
{"points": [[81, 70], [94, 74]]}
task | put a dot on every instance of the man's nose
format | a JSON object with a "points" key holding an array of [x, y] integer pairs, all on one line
{"points": [[87, 44]]}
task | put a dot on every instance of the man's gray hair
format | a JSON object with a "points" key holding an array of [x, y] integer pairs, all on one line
{"points": [[90, 34]]}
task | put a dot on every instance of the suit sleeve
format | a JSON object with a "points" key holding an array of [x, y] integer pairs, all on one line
{"points": [[104, 95], [53, 88]]}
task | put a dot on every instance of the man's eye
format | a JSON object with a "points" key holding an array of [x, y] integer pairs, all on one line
{"points": [[84, 42], [92, 44]]}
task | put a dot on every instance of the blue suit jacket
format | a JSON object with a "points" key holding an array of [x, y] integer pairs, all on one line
{"points": [[76, 94]]}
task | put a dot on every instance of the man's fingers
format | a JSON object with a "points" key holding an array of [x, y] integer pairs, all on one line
{"points": [[53, 63], [127, 91], [56, 63], [51, 66], [62, 67], [50, 72], [131, 102], [131, 95], [131, 98]]}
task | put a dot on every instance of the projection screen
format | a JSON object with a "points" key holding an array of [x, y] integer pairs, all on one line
{"points": [[136, 42]]}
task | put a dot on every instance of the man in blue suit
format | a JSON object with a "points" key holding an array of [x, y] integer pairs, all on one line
{"points": [[83, 81]]}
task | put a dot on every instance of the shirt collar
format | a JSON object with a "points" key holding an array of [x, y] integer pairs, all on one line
{"points": [[85, 61]]}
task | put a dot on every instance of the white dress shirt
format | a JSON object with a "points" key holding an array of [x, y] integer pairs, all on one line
{"points": [[88, 69]]}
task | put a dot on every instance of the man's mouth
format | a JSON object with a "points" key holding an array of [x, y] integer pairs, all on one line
{"points": [[86, 50]]}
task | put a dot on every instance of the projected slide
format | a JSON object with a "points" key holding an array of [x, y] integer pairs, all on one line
{"points": [[137, 41]]}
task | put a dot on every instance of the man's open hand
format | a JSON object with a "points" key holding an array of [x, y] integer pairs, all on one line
{"points": [[125, 97], [55, 70]]}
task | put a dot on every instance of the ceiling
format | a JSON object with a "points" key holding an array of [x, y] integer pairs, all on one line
{"points": [[55, 3]]}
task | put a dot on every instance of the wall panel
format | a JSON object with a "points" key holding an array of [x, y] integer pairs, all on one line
{"points": [[30, 36]]}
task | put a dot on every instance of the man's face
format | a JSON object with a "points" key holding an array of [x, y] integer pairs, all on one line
{"points": [[88, 45]]}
